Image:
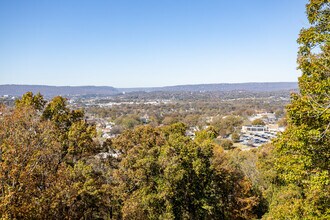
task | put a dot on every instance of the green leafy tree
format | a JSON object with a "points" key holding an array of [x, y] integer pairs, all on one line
{"points": [[128, 121], [76, 135], [28, 99], [302, 153], [258, 121], [227, 125], [58, 112], [235, 137], [169, 120], [226, 144], [80, 140], [163, 174]]}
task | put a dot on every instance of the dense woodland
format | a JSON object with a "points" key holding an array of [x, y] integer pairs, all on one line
{"points": [[53, 166]]}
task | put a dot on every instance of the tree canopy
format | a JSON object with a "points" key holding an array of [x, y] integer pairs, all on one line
{"points": [[45, 171], [52, 167], [302, 152]]}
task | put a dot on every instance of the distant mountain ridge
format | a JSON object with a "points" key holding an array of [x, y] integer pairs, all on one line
{"points": [[223, 87], [49, 91], [18, 90]]}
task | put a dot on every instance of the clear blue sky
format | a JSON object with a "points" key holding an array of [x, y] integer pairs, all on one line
{"points": [[137, 43]]}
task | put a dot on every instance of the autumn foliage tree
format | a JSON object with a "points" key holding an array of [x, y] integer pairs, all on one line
{"points": [[164, 174], [44, 163], [53, 167]]}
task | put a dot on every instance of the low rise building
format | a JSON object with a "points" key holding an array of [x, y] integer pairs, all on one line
{"points": [[254, 128]]}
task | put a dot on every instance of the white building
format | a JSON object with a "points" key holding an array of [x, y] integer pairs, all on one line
{"points": [[274, 128], [254, 128]]}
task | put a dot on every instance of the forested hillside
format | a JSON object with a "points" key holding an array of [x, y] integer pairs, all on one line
{"points": [[53, 165], [51, 91]]}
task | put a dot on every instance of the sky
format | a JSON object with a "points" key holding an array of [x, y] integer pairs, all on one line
{"points": [[145, 43]]}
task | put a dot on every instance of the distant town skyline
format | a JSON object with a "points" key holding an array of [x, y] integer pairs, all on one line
{"points": [[149, 43]]}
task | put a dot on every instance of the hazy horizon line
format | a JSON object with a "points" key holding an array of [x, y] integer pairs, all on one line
{"points": [[120, 87]]}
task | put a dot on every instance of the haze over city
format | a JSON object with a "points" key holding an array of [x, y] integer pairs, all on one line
{"points": [[149, 43]]}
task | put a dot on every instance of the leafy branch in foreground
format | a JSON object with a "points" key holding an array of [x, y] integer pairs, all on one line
{"points": [[302, 152]]}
